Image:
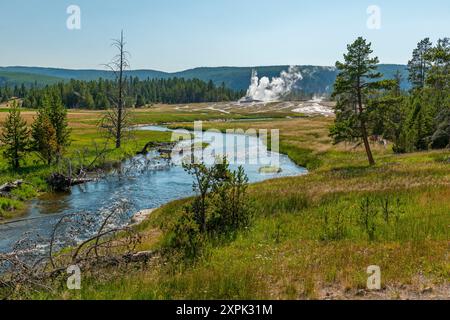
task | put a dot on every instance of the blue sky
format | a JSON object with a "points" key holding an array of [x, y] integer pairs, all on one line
{"points": [[172, 35]]}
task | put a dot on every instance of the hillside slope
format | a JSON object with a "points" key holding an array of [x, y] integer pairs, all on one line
{"points": [[28, 79], [316, 79]]}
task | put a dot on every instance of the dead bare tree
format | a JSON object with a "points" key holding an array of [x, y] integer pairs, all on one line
{"points": [[116, 119]]}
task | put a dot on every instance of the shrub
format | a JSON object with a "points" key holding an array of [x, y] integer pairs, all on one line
{"points": [[185, 235], [220, 209], [231, 207]]}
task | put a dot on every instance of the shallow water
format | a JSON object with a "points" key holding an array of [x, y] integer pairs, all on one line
{"points": [[144, 182]]}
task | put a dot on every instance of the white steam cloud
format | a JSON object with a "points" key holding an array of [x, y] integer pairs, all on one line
{"points": [[267, 90]]}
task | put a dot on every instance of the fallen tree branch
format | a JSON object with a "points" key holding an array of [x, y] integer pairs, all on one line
{"points": [[22, 272], [60, 182], [10, 186], [161, 147]]}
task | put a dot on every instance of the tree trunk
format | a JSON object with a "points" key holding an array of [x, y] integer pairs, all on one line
{"points": [[16, 164], [120, 102], [203, 213], [367, 144], [363, 127]]}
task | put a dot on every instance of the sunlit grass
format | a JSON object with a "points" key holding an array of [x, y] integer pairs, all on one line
{"points": [[307, 238]]}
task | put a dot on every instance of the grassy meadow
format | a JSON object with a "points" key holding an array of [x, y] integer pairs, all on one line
{"points": [[312, 237]]}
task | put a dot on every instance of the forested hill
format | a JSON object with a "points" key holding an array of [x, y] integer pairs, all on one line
{"points": [[316, 79]]}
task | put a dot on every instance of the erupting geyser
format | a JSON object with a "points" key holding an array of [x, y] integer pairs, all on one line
{"points": [[266, 90]]}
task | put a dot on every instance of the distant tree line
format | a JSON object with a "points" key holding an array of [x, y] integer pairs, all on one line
{"points": [[368, 107], [7, 92], [98, 94]]}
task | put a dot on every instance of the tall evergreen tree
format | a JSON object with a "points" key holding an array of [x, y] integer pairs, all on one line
{"points": [[140, 102], [387, 111], [14, 136], [420, 64], [355, 83], [44, 137], [57, 115], [421, 124], [439, 74]]}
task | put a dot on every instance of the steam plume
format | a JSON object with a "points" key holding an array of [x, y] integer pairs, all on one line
{"points": [[267, 90]]}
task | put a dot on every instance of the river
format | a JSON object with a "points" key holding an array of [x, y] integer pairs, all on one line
{"points": [[142, 183]]}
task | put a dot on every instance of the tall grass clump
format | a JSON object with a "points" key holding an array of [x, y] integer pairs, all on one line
{"points": [[334, 223], [382, 217], [272, 204]]}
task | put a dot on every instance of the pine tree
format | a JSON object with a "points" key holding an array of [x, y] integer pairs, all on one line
{"points": [[417, 126], [57, 115], [387, 112], [421, 124], [140, 102], [420, 64], [15, 137], [438, 76], [441, 137], [44, 137], [89, 101], [355, 83]]}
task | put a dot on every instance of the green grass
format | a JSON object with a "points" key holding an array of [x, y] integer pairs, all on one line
{"points": [[9, 208], [284, 255], [6, 110], [308, 236], [83, 150], [312, 234]]}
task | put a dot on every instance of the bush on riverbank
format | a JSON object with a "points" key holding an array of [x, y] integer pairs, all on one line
{"points": [[220, 209]]}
